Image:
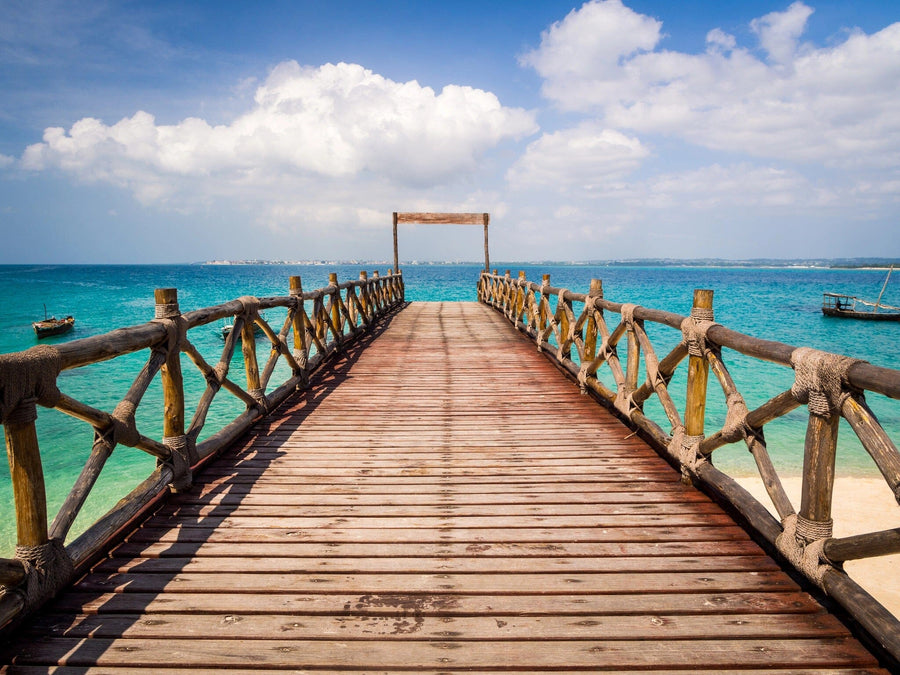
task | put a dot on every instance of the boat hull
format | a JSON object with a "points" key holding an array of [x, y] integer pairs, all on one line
{"points": [[866, 316], [50, 327]]}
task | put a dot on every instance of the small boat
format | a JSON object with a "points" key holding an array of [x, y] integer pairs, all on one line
{"points": [[52, 326], [851, 307], [228, 327]]}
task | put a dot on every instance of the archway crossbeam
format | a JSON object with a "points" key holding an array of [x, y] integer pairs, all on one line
{"points": [[443, 219]]}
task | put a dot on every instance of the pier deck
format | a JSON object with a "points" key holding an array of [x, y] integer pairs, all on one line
{"points": [[436, 504]]}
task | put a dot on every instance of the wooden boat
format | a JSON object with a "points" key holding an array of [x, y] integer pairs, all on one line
{"points": [[228, 327], [851, 307], [53, 326]]}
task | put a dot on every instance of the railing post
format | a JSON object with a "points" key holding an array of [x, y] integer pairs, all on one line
{"points": [[364, 294], [544, 307], [27, 475], [590, 337], [173, 391], [379, 296], [814, 518], [698, 371], [335, 307], [301, 349], [521, 295]]}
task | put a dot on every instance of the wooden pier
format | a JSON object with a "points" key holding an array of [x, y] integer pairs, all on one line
{"points": [[442, 499]]}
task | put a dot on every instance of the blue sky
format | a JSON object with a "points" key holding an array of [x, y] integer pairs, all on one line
{"points": [[171, 132]]}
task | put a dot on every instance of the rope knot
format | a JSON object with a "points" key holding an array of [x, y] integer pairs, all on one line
{"points": [[820, 380], [124, 429], [735, 427], [627, 312], [686, 449], [693, 332], [250, 305], [807, 556], [27, 378], [48, 568], [183, 455]]}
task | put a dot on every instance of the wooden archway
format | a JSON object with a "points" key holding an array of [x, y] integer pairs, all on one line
{"points": [[443, 219]]}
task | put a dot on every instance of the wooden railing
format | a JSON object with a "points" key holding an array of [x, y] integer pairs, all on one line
{"points": [[339, 314], [832, 386]]}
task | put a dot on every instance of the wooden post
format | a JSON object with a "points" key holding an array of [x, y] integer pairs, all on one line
{"points": [[633, 362], [698, 373], [27, 475], [364, 293], [544, 304], [818, 476], [172, 379], [521, 294], [590, 339], [487, 255], [396, 257], [301, 350], [335, 306]]}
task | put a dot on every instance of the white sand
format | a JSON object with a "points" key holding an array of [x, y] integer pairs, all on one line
{"points": [[860, 505]]}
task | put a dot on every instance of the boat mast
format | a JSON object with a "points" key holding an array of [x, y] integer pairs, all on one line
{"points": [[886, 279]]}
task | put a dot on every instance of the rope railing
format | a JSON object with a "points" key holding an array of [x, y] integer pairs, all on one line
{"points": [[586, 344], [43, 564]]}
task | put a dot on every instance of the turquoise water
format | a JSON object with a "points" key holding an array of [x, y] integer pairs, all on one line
{"points": [[777, 304]]}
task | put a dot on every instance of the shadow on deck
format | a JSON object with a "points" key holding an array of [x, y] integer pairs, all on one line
{"points": [[426, 506]]}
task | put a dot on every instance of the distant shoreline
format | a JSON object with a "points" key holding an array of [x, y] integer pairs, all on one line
{"points": [[818, 264]]}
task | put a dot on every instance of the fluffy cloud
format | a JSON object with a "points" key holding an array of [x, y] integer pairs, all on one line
{"points": [[582, 157], [836, 105], [331, 122]]}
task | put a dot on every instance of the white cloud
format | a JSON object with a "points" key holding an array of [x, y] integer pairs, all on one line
{"points": [[779, 32], [332, 122], [582, 157], [741, 185], [836, 105], [720, 40], [588, 46], [6, 161]]}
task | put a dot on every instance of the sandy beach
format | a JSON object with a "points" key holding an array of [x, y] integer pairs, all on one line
{"points": [[860, 505]]}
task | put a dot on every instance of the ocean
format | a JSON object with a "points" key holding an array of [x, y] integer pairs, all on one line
{"points": [[779, 303]]}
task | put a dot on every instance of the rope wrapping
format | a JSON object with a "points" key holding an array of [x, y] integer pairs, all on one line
{"points": [[167, 310], [702, 314], [628, 314], [808, 558], [183, 455], [29, 375], [686, 449], [250, 305], [694, 332], [48, 568], [820, 380], [735, 427], [124, 429]]}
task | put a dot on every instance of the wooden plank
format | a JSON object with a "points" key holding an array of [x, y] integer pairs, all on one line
{"points": [[404, 627], [385, 565], [450, 654], [442, 535], [442, 218], [336, 551], [385, 604]]}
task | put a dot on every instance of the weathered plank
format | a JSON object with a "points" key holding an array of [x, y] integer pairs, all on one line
{"points": [[436, 505]]}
